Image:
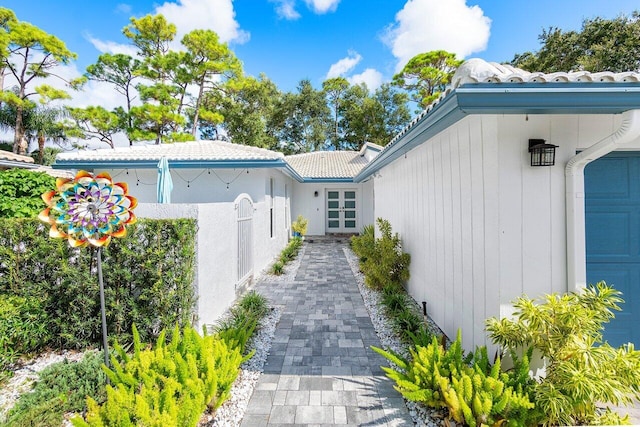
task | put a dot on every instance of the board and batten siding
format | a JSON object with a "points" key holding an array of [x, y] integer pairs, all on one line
{"points": [[482, 226]]}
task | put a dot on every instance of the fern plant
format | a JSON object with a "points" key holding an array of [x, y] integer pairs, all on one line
{"points": [[581, 369], [474, 391], [171, 384]]}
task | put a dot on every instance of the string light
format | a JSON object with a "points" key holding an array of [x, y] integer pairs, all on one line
{"points": [[189, 181]]}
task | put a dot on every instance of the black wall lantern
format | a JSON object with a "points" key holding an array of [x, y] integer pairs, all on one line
{"points": [[542, 154]]}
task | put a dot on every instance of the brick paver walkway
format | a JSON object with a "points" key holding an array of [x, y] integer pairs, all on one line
{"points": [[320, 370]]}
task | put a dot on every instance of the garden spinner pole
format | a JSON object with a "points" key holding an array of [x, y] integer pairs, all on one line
{"points": [[103, 310]]}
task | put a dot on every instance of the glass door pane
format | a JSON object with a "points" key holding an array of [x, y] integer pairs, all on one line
{"points": [[341, 211], [333, 210]]}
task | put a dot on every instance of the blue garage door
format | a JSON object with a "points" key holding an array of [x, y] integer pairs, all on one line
{"points": [[612, 186]]}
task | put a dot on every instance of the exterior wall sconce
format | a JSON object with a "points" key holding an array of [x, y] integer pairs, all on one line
{"points": [[315, 194], [542, 154]]}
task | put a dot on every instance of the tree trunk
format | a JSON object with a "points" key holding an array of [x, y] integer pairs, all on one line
{"points": [[41, 139], [19, 132], [196, 113]]}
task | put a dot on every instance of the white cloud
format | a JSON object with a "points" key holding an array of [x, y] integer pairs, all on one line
{"points": [[188, 15], [425, 25], [371, 77], [124, 8], [344, 66], [111, 47], [322, 6], [216, 15], [286, 9]]}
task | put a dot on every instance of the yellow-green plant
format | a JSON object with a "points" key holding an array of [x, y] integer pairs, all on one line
{"points": [[387, 264], [300, 225], [364, 245], [169, 385], [474, 391], [581, 370]]}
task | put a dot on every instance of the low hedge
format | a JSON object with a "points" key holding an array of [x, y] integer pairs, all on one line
{"points": [[148, 279]]}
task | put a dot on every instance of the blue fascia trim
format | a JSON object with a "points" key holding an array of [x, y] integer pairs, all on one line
{"points": [[327, 180], [173, 164], [291, 172], [180, 164], [548, 98], [443, 115], [509, 98]]}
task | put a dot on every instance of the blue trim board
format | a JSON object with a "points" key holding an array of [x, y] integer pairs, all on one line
{"points": [[326, 180], [508, 98], [179, 164]]}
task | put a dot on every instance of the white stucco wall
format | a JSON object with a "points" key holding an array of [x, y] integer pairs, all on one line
{"points": [[198, 185], [217, 241], [481, 225], [305, 203]]}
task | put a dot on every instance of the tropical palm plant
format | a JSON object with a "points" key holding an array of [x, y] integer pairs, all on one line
{"points": [[41, 123]]}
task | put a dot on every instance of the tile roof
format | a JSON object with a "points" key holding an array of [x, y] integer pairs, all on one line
{"points": [[189, 151], [327, 164], [480, 87], [476, 70], [12, 157]]}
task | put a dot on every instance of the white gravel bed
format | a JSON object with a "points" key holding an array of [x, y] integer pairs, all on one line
{"points": [[290, 269], [231, 412], [27, 373], [421, 415]]}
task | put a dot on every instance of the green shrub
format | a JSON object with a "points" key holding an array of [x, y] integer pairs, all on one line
{"points": [[581, 369], [61, 388], [24, 328], [238, 328], [300, 225], [277, 268], [148, 279], [171, 384], [406, 322], [387, 264], [364, 245], [288, 253], [254, 303], [394, 302], [474, 391], [420, 337], [20, 191]]}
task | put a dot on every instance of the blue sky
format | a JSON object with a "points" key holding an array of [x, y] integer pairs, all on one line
{"points": [[288, 40]]}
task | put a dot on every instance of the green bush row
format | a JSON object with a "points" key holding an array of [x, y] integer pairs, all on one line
{"points": [[381, 259], [23, 329], [20, 191], [60, 389], [583, 373], [474, 391], [148, 280], [288, 254], [403, 314], [176, 381]]}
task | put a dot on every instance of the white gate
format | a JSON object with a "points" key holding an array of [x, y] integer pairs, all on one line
{"points": [[244, 208]]}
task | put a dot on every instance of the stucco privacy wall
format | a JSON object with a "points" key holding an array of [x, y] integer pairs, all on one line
{"points": [[216, 270], [198, 185], [481, 225], [305, 203]]}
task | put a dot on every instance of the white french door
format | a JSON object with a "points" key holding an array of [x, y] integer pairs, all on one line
{"points": [[342, 211]]}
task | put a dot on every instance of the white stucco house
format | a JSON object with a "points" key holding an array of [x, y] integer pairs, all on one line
{"points": [[243, 198], [483, 226]]}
